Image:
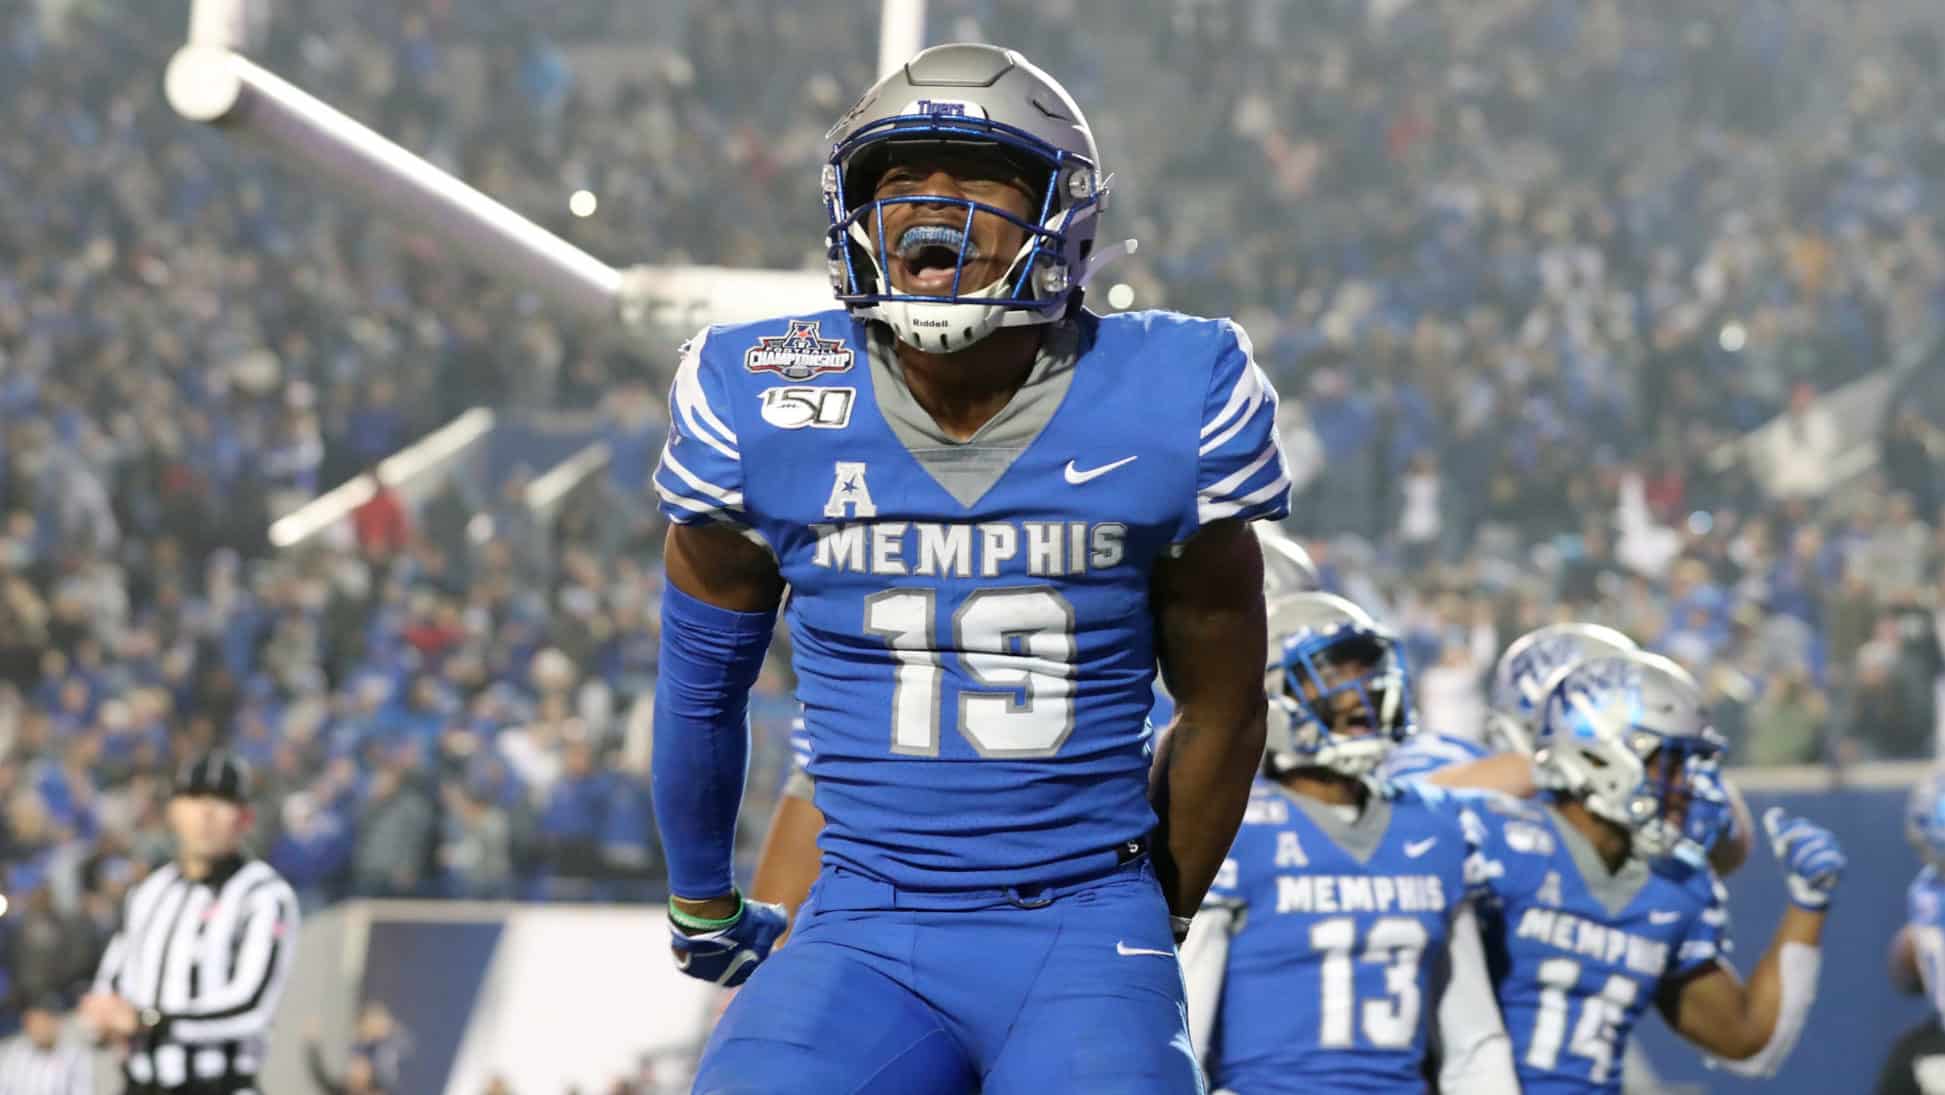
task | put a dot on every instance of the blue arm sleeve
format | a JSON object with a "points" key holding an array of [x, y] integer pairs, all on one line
{"points": [[710, 658]]}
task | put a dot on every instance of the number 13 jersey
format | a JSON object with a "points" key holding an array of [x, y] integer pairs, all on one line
{"points": [[1340, 928], [970, 622]]}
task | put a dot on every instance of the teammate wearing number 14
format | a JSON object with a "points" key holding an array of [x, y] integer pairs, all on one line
{"points": [[1596, 901], [996, 513]]}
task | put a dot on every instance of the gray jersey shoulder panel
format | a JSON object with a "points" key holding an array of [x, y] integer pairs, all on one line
{"points": [[1359, 837], [1614, 890], [968, 469]]}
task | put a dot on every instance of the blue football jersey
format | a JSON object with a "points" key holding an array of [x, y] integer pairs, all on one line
{"points": [[1423, 753], [970, 622], [1342, 925], [1577, 954], [798, 783], [1925, 912]]}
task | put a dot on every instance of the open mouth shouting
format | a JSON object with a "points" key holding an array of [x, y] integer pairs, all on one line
{"points": [[927, 257]]}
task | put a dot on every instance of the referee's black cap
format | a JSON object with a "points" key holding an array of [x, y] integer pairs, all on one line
{"points": [[216, 774]]}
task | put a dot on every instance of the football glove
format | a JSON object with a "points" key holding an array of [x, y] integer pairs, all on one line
{"points": [[727, 954], [1811, 859]]}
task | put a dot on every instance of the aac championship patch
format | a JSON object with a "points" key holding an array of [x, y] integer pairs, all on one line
{"points": [[799, 355]]}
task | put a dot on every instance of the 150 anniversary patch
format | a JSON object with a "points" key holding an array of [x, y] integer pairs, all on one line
{"points": [[819, 408], [800, 354]]}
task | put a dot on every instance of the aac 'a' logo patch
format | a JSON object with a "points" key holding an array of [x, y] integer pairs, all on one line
{"points": [[800, 354]]}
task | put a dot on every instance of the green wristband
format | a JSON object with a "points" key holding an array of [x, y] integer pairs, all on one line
{"points": [[702, 923]]}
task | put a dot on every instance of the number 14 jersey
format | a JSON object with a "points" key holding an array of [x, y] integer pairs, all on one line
{"points": [[970, 622], [1577, 953]]}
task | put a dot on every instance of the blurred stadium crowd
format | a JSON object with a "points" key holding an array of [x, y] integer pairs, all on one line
{"points": [[1526, 264]]}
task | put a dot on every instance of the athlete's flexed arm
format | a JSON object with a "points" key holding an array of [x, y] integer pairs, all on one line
{"points": [[717, 614], [1212, 639], [1753, 1026]]}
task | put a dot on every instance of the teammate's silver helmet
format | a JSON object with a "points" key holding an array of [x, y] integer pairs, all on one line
{"points": [[1601, 721], [965, 94], [1529, 665], [1287, 567], [1308, 631]]}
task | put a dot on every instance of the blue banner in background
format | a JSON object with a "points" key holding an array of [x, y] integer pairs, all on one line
{"points": [[1858, 1015], [429, 974]]}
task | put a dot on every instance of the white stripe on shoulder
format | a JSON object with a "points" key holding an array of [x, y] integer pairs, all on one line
{"points": [[1247, 386], [730, 498], [1260, 395], [689, 504], [1222, 487], [688, 399], [1216, 509], [1207, 512]]}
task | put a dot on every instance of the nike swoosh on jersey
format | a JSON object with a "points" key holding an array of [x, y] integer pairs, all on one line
{"points": [[1663, 916], [1125, 950], [1076, 477], [1416, 848]]}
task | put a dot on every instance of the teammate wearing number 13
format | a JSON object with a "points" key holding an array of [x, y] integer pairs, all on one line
{"points": [[995, 513], [1337, 942]]}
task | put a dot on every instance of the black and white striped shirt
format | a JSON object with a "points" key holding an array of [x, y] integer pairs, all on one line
{"points": [[212, 957], [27, 1069]]}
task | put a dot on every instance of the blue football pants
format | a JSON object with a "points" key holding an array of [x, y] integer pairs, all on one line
{"points": [[1070, 989]]}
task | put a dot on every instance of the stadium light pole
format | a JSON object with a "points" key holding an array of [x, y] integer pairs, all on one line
{"points": [[901, 33], [211, 81], [219, 87]]}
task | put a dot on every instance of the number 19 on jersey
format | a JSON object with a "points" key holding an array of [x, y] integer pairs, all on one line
{"points": [[1015, 647]]}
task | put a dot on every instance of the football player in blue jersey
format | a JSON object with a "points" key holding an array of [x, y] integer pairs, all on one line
{"points": [[1596, 900], [996, 513], [787, 865], [1918, 951], [1504, 761], [1337, 929]]}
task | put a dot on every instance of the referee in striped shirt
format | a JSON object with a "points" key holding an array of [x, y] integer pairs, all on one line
{"points": [[193, 977]]}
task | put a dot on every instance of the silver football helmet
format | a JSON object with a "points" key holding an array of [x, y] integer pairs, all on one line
{"points": [[1629, 736], [965, 94], [1287, 567], [1312, 636], [1523, 672]]}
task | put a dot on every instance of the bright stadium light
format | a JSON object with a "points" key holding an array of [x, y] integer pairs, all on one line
{"points": [[1734, 336], [1120, 296], [583, 203]]}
